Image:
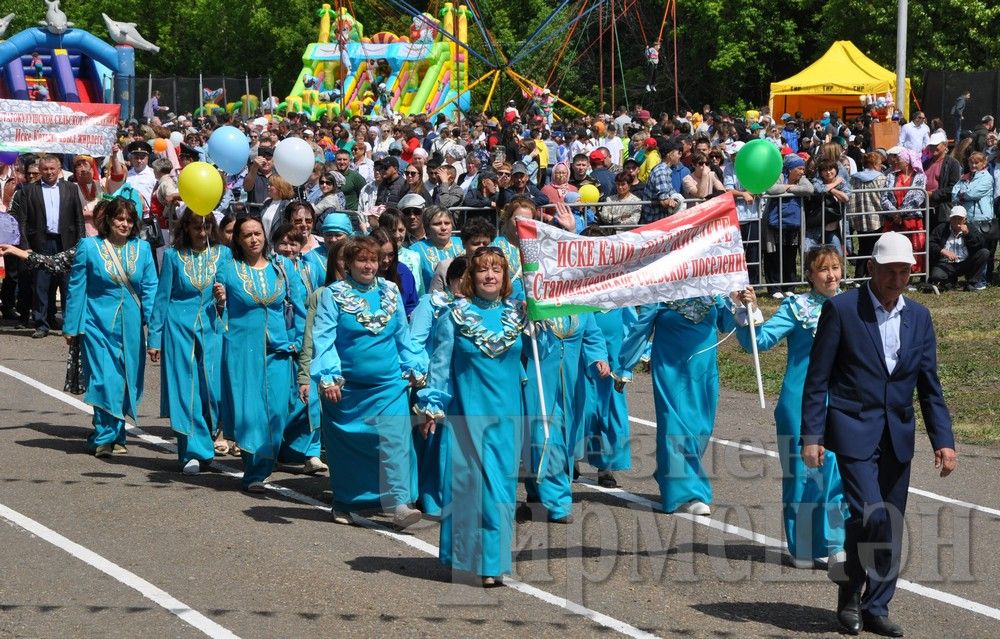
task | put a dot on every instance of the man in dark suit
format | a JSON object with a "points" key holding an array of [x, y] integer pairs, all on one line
{"points": [[52, 222], [872, 348]]}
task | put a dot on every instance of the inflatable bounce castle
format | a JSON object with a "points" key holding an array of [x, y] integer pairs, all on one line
{"points": [[57, 62], [425, 71]]}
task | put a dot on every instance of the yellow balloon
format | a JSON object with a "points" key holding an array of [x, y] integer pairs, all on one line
{"points": [[589, 193], [201, 187]]}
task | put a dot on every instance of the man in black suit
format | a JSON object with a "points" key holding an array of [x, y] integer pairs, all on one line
{"points": [[873, 348], [52, 222]]}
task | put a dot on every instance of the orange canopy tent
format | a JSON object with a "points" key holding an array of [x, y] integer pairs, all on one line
{"points": [[838, 79]]}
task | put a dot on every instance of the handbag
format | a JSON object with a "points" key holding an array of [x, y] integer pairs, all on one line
{"points": [[150, 231], [990, 229]]}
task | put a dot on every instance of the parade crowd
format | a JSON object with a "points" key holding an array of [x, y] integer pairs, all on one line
{"points": [[370, 323]]}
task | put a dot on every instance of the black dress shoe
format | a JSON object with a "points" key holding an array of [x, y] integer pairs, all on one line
{"points": [[606, 480], [523, 513], [849, 609], [881, 625], [565, 519]]}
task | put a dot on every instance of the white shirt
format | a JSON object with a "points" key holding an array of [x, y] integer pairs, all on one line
{"points": [[914, 137], [144, 182], [615, 146], [956, 244], [50, 195], [888, 328]]}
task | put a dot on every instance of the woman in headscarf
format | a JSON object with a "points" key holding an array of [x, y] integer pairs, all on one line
{"points": [[904, 202], [557, 189]]}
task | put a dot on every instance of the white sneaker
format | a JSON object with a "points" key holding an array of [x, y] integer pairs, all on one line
{"points": [[778, 295], [193, 467], [340, 517], [695, 507], [647, 88], [403, 516], [314, 465], [803, 564]]}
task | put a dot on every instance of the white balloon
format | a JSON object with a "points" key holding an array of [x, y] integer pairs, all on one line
{"points": [[294, 160], [177, 137]]}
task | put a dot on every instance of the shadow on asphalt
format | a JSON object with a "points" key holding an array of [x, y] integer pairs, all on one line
{"points": [[786, 616], [423, 568]]}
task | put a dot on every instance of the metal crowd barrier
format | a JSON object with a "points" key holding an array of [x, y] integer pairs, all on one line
{"points": [[787, 242]]}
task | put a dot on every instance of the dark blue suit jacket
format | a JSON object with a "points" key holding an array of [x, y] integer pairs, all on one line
{"points": [[850, 398]]}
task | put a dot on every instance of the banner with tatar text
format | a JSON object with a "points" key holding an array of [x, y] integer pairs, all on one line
{"points": [[58, 127], [693, 253]]}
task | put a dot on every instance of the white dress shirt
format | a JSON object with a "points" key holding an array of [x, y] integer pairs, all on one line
{"points": [[914, 137], [50, 195], [888, 328], [144, 182]]}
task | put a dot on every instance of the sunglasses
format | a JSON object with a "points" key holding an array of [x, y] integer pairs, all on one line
{"points": [[700, 163], [328, 182], [484, 250], [411, 212], [411, 173]]}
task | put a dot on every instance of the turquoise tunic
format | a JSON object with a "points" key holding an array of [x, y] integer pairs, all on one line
{"points": [[430, 255], [430, 454], [813, 505], [187, 328], [101, 309], [608, 431], [362, 341], [567, 346], [476, 377], [315, 260], [411, 260], [259, 349], [685, 389]]}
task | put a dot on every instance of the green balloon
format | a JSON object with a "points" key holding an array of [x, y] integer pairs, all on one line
{"points": [[758, 166]]}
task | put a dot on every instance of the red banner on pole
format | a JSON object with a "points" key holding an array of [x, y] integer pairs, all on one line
{"points": [[58, 127]]}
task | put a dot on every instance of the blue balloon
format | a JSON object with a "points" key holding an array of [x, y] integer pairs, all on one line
{"points": [[571, 197], [229, 149]]}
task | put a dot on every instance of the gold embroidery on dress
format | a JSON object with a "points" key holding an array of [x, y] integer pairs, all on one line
{"points": [[128, 255], [200, 267], [255, 284]]}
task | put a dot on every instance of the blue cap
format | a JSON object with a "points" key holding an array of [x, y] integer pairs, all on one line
{"points": [[336, 223], [793, 161]]}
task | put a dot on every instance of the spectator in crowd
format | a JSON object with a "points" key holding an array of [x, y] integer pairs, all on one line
{"points": [[956, 248], [826, 210], [784, 219], [624, 207], [557, 189], [981, 133], [256, 181], [600, 173], [865, 221], [520, 185], [415, 185], [447, 193], [393, 186], [412, 208], [702, 183], [943, 172], [663, 198], [331, 199], [914, 135], [279, 194], [974, 191], [958, 111], [904, 202], [485, 192]]}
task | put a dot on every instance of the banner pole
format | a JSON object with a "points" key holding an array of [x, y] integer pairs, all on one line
{"points": [[541, 399], [756, 355]]}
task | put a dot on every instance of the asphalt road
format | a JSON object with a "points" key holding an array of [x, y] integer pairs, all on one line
{"points": [[128, 547]]}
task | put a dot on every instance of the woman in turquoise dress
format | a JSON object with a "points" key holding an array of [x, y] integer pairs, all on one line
{"points": [[335, 228], [608, 432], [264, 317], [391, 220], [476, 379], [567, 346], [813, 505], [685, 391], [111, 289], [186, 327], [439, 243], [302, 450], [429, 446], [363, 360]]}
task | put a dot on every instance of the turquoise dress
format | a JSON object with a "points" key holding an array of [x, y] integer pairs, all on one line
{"points": [[259, 351], [476, 378], [430, 255], [567, 346], [302, 435], [362, 341], [411, 261], [813, 505], [685, 388], [187, 328], [430, 454], [100, 308], [315, 260], [607, 426]]}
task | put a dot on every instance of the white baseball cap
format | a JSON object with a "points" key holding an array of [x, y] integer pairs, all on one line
{"points": [[937, 138], [958, 211], [893, 248], [894, 150]]}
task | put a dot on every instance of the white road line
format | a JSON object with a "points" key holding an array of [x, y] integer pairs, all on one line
{"points": [[116, 572], [770, 453], [418, 544], [765, 540]]}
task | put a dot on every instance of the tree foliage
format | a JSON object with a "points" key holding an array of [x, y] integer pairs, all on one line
{"points": [[729, 50]]}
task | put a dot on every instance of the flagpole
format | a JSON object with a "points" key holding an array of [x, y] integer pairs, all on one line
{"points": [[541, 399], [756, 356]]}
